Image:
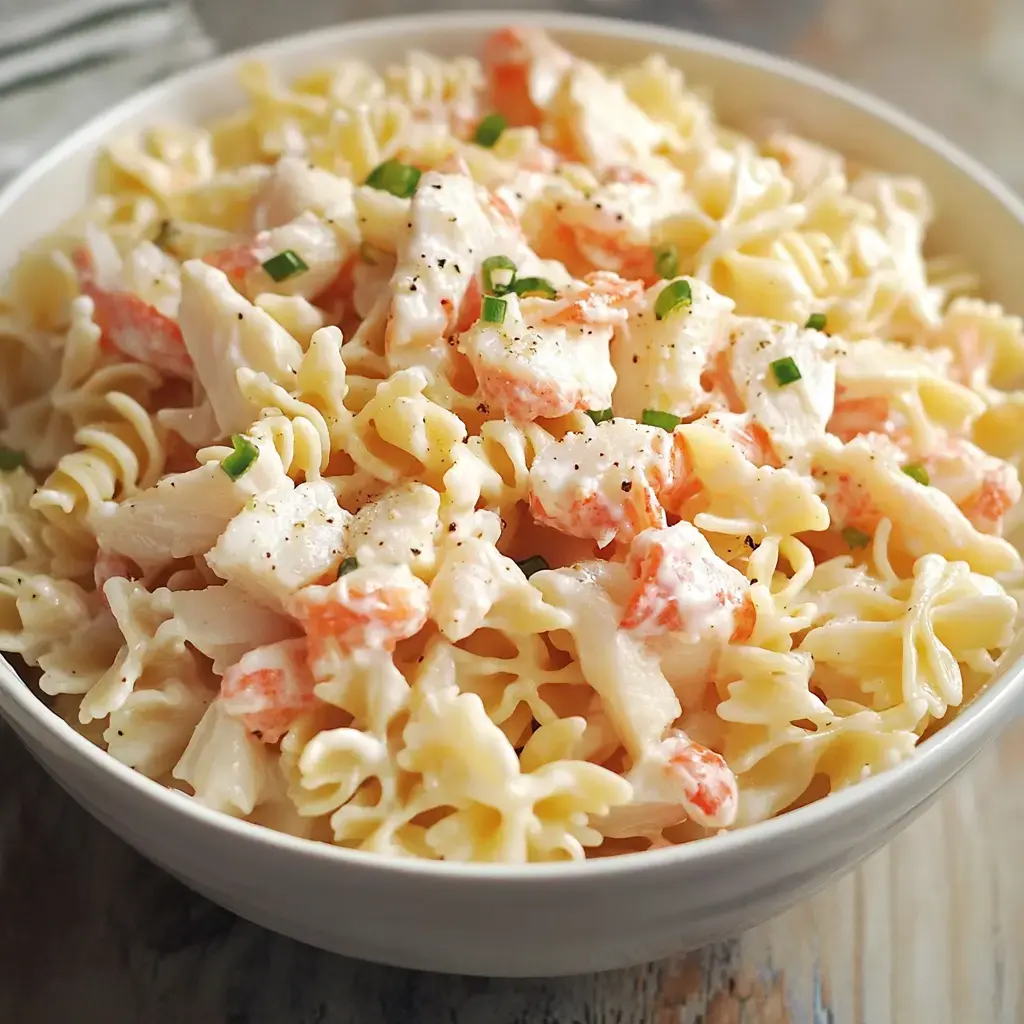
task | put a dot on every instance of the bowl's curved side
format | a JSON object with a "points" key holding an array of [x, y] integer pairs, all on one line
{"points": [[473, 923], [556, 918]]}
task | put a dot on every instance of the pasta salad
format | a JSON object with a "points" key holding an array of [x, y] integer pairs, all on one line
{"points": [[503, 460]]}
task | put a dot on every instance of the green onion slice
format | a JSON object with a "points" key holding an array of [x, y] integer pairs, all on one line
{"points": [[665, 420], [493, 310], [600, 415], [239, 461], [284, 265], [917, 472], [535, 563], [506, 270], [676, 295], [786, 371], [666, 261], [856, 538], [347, 565], [540, 286], [10, 460], [817, 321], [395, 177], [489, 130]]}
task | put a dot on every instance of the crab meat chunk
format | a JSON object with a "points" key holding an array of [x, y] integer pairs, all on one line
{"points": [[455, 225], [370, 608], [684, 587], [607, 483], [281, 543], [528, 368], [269, 688], [658, 363]]}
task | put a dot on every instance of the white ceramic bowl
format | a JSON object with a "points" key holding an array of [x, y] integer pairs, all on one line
{"points": [[543, 919]]}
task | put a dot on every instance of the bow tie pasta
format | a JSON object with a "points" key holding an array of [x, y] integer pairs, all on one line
{"points": [[504, 461]]}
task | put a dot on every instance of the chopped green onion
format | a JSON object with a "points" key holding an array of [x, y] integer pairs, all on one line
{"points": [[817, 321], [535, 563], [673, 296], [525, 286], [505, 267], [665, 420], [600, 415], [10, 460], [786, 371], [489, 130], [666, 261], [917, 472], [284, 265], [856, 538], [347, 565], [493, 311], [244, 455], [395, 177]]}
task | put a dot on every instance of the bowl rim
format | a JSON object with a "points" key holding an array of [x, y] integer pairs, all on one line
{"points": [[977, 723]]}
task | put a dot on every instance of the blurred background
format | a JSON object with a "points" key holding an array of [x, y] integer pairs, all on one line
{"points": [[956, 64]]}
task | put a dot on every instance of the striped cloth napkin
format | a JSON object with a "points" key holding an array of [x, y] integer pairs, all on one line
{"points": [[62, 61]]}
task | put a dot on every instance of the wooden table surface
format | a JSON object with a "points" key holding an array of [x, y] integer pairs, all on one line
{"points": [[929, 931]]}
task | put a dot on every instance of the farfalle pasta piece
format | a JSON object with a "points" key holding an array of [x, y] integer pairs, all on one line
{"points": [[37, 612], [21, 526], [151, 637], [161, 162], [768, 688], [543, 814], [775, 769], [909, 649], [987, 343], [493, 466], [317, 398]]}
